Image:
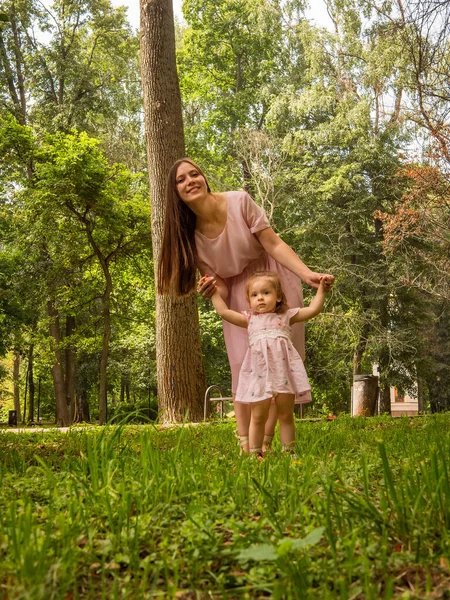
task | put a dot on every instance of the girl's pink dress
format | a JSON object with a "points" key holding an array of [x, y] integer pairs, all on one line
{"points": [[236, 254], [271, 364]]}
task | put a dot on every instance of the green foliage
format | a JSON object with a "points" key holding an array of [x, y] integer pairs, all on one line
{"points": [[77, 61], [231, 56], [76, 209]]}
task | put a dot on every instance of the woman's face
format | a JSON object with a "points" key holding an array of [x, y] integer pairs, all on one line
{"points": [[191, 185]]}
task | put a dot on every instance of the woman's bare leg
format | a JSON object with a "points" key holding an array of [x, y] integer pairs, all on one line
{"points": [[285, 410], [259, 414], [242, 413]]}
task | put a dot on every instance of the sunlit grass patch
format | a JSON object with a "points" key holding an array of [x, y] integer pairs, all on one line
{"points": [[362, 511]]}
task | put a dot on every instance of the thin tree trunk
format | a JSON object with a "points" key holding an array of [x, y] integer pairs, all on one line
{"points": [[247, 177], [106, 313], [16, 377], [385, 401], [420, 400], [62, 414], [70, 369], [360, 349], [106, 316], [19, 66], [385, 396], [180, 373], [25, 396], [31, 384], [122, 389], [39, 401], [82, 408]]}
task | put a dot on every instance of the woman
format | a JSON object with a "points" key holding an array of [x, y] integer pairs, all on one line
{"points": [[227, 237]]}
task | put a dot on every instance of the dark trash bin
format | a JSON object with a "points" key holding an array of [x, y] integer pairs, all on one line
{"points": [[364, 395], [12, 418]]}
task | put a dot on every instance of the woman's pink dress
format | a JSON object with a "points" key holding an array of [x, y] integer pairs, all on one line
{"points": [[271, 364], [236, 254]]}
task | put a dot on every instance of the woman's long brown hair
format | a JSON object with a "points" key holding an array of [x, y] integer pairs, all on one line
{"points": [[178, 254]]}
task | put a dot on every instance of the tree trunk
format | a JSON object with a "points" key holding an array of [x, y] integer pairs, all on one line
{"points": [[70, 369], [385, 401], [420, 399], [106, 314], [16, 376], [180, 373], [385, 396], [104, 262], [122, 388], [31, 385], [62, 414], [82, 408], [39, 401], [25, 397], [360, 349]]}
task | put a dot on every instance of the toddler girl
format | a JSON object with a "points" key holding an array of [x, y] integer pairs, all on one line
{"points": [[272, 369]]}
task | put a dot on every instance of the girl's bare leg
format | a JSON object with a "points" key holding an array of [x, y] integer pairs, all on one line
{"points": [[259, 414], [242, 413], [285, 410], [269, 429]]}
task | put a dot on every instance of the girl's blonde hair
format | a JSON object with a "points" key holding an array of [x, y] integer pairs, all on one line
{"points": [[282, 305]]}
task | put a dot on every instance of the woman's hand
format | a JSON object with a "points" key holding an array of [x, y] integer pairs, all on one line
{"points": [[313, 279], [206, 286], [325, 285]]}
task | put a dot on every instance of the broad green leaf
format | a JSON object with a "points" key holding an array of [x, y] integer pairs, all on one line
{"points": [[311, 539], [258, 552]]}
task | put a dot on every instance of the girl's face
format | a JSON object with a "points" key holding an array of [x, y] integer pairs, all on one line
{"points": [[191, 185], [262, 295]]}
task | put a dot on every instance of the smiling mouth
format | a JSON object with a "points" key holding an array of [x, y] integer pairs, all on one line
{"points": [[193, 190]]}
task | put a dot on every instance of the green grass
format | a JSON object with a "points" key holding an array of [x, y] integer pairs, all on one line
{"points": [[363, 511]]}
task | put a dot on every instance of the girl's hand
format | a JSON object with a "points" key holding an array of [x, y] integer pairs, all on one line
{"points": [[314, 280], [326, 283], [206, 286]]}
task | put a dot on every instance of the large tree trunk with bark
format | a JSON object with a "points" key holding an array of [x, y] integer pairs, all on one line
{"points": [[62, 413], [180, 373]]}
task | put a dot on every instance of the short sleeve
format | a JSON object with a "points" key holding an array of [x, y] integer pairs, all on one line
{"points": [[254, 215], [247, 314]]}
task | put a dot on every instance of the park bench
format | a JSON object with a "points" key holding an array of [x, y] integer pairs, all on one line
{"points": [[220, 399]]}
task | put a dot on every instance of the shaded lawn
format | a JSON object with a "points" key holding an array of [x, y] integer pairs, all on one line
{"points": [[362, 511]]}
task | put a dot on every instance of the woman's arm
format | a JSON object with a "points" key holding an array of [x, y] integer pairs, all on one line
{"points": [[283, 254], [226, 313], [316, 305]]}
